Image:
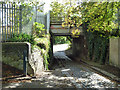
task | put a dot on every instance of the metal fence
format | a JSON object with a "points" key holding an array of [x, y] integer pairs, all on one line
{"points": [[16, 19], [10, 20]]}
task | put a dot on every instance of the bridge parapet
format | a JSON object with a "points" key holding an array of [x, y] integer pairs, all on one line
{"points": [[58, 30]]}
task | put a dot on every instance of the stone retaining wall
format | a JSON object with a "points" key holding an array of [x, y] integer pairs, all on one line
{"points": [[12, 54], [79, 48]]}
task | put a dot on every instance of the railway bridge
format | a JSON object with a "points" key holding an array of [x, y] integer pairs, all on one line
{"points": [[56, 29]]}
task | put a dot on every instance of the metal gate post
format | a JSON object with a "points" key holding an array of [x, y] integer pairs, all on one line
{"points": [[25, 62], [20, 20]]}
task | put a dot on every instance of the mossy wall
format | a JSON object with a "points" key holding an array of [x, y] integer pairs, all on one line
{"points": [[44, 45]]}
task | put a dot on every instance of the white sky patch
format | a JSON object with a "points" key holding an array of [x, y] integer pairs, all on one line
{"points": [[59, 0], [47, 5]]}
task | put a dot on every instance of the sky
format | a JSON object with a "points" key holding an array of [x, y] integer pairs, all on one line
{"points": [[47, 5], [47, 2]]}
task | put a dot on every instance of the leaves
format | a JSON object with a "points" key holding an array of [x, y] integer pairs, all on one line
{"points": [[38, 28], [75, 32], [22, 38], [102, 16]]}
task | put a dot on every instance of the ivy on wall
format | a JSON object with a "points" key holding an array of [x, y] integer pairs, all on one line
{"points": [[97, 45]]}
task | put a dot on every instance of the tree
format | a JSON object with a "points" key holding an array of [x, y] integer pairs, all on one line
{"points": [[101, 16]]}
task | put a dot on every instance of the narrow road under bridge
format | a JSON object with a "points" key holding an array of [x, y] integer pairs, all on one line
{"points": [[81, 75]]}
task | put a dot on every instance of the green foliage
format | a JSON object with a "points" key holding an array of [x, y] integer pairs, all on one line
{"points": [[101, 23], [68, 14], [97, 46], [104, 48], [61, 40], [26, 13], [38, 29], [102, 16], [57, 10], [22, 38], [45, 47], [90, 40], [31, 2]]}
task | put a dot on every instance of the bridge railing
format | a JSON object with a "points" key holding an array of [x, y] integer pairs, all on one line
{"points": [[56, 20]]}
